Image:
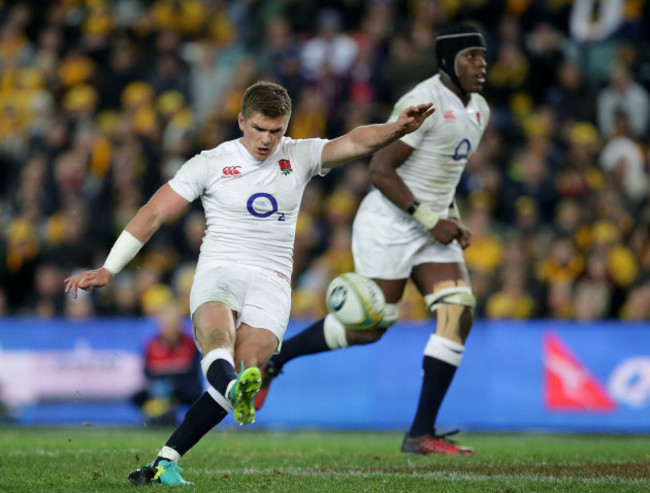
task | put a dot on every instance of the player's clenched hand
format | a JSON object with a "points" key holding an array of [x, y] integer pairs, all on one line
{"points": [[465, 237], [412, 117], [86, 280], [445, 231]]}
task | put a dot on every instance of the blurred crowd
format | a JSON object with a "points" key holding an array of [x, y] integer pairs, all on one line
{"points": [[101, 102]]}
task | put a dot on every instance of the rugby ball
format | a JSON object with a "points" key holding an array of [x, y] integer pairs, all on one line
{"points": [[356, 301]]}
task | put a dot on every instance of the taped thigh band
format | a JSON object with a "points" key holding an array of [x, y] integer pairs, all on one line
{"points": [[455, 295]]}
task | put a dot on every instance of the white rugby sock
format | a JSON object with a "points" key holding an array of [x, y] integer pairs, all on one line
{"points": [[214, 355], [334, 333], [445, 350], [169, 454], [219, 370]]}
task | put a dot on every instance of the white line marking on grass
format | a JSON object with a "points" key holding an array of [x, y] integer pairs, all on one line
{"points": [[57, 453], [416, 474]]}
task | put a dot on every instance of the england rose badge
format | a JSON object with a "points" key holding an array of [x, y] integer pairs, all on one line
{"points": [[285, 166]]}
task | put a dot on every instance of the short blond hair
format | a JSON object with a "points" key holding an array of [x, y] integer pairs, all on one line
{"points": [[270, 99]]}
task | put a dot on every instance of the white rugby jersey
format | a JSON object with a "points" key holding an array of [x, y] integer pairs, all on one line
{"points": [[442, 144], [251, 206]]}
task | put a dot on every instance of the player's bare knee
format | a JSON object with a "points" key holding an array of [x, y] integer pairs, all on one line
{"points": [[212, 330], [453, 303], [214, 336]]}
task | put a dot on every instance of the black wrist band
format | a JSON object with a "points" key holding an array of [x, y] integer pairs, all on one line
{"points": [[412, 207]]}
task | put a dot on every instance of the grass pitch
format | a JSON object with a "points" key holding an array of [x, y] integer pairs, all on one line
{"points": [[93, 459]]}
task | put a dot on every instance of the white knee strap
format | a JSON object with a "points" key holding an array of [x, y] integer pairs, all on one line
{"points": [[443, 349], [212, 356], [334, 333]]}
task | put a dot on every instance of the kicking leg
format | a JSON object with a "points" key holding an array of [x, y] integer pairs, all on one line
{"points": [[329, 334], [215, 332]]}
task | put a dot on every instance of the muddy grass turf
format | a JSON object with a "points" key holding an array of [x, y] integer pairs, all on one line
{"points": [[92, 459]]}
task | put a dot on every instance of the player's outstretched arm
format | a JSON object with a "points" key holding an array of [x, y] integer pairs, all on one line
{"points": [[367, 139], [164, 205]]}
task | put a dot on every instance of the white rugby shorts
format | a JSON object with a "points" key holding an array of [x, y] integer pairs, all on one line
{"points": [[387, 242], [261, 297]]}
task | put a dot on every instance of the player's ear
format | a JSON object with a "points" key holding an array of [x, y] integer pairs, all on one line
{"points": [[240, 121]]}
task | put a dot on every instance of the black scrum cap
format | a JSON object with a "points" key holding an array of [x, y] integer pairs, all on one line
{"points": [[452, 42]]}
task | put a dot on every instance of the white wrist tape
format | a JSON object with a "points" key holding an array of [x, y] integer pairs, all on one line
{"points": [[425, 216], [125, 248]]}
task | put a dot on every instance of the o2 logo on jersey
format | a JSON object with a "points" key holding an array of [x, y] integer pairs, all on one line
{"points": [[462, 150], [263, 205]]}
